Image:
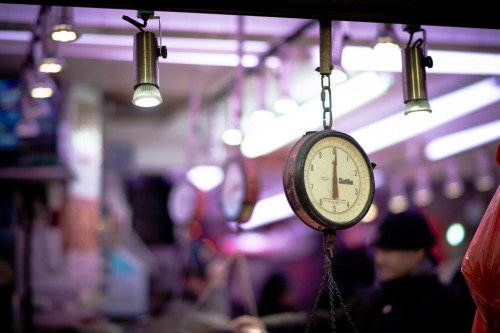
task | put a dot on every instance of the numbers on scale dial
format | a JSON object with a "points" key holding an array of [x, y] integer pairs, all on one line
{"points": [[332, 177]]}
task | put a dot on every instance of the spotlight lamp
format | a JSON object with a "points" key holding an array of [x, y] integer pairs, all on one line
{"points": [[398, 200], [414, 61], [146, 54], [50, 61], [64, 29], [338, 74], [262, 115], [40, 85], [285, 103], [386, 39]]}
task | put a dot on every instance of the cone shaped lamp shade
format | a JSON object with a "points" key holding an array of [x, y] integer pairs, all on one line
{"points": [[146, 82]]}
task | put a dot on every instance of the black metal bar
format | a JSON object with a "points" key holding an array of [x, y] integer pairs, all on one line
{"points": [[424, 12], [325, 47]]}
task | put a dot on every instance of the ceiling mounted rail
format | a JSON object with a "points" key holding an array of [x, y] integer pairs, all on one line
{"points": [[424, 12]]}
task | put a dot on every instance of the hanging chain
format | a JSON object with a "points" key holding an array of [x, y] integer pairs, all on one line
{"points": [[327, 102], [334, 286], [325, 69], [329, 238], [331, 283]]}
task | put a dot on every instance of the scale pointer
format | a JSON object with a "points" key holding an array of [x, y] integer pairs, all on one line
{"points": [[335, 191]]}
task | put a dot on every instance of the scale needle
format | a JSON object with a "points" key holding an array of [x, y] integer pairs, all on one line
{"points": [[335, 191]]}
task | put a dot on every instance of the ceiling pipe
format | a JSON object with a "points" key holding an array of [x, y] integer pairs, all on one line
{"points": [[272, 51]]}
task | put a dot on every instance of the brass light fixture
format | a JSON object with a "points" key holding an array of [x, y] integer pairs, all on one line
{"points": [[146, 71], [414, 61]]}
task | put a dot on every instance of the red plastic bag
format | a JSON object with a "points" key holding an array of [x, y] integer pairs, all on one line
{"points": [[481, 269]]}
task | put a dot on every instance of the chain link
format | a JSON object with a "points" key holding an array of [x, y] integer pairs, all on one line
{"points": [[327, 103], [328, 265], [341, 300], [333, 290]]}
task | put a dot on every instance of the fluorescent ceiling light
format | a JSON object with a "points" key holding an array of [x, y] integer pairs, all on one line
{"points": [[192, 51], [212, 56], [274, 208], [398, 127], [359, 58], [211, 59], [347, 97], [354, 58], [465, 62], [228, 45], [458, 142], [189, 58], [205, 177], [22, 36]]}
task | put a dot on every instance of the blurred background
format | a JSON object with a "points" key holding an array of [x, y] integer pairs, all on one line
{"points": [[90, 230]]}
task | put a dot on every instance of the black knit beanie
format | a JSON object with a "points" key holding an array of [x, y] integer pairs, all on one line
{"points": [[407, 230]]}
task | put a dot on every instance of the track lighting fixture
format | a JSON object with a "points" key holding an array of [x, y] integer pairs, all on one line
{"points": [[64, 29], [422, 193], [51, 65], [285, 103], [40, 85], [146, 54], [50, 61], [386, 42], [453, 186], [398, 200], [262, 115], [339, 38], [414, 61]]}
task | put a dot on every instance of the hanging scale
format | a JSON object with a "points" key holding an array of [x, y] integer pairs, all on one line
{"points": [[328, 178]]}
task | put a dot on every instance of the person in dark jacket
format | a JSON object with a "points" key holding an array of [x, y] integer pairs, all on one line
{"points": [[408, 297]]}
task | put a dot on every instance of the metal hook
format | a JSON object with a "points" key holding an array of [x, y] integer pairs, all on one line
{"points": [[329, 238], [162, 49]]}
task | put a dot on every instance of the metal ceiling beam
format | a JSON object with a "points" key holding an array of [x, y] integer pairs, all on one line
{"points": [[424, 12]]}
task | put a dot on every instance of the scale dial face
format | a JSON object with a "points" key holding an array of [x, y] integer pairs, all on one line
{"points": [[185, 203], [239, 189], [233, 190], [328, 180]]}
